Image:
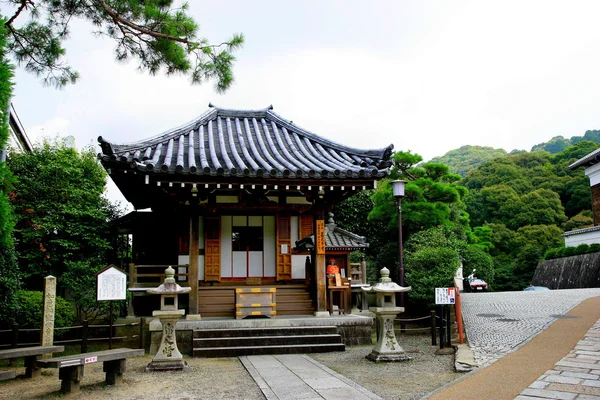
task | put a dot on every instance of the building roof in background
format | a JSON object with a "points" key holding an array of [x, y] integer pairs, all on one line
{"points": [[246, 143], [17, 137], [586, 161]]}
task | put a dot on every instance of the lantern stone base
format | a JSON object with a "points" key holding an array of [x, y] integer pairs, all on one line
{"points": [[168, 357], [387, 348], [167, 366]]}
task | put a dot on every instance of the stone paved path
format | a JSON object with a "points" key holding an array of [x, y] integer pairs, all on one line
{"points": [[576, 376], [296, 376], [498, 323]]}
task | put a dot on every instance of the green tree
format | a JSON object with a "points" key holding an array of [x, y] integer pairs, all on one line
{"points": [[62, 216], [432, 196], [584, 219], [353, 215], [9, 272], [463, 160], [159, 34], [473, 257]]}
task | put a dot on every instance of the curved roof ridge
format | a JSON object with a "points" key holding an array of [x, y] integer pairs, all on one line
{"points": [[164, 136], [379, 153]]}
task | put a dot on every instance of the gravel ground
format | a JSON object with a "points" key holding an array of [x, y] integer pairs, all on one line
{"points": [[412, 379], [226, 378]]}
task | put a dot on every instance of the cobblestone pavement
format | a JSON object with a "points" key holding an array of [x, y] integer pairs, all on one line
{"points": [[576, 376], [498, 323]]}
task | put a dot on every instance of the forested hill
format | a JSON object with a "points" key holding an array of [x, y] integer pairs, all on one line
{"points": [[559, 143], [465, 159]]}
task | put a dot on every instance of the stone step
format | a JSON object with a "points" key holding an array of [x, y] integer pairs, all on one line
{"points": [[262, 341], [270, 331], [262, 350]]}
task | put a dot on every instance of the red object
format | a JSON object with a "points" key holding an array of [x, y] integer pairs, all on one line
{"points": [[333, 269]]}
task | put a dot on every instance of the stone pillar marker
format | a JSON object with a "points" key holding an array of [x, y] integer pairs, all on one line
{"points": [[168, 357], [387, 347], [48, 304]]}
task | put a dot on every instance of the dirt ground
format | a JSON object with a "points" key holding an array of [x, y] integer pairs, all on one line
{"points": [[226, 378]]}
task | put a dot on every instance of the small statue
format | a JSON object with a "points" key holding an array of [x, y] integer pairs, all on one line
{"points": [[332, 269]]}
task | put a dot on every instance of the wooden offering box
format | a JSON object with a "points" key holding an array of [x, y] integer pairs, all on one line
{"points": [[255, 301]]}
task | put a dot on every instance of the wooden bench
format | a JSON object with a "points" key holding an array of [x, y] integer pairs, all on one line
{"points": [[4, 375], [31, 355], [71, 367]]}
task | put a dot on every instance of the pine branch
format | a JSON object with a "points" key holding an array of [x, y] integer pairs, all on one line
{"points": [[120, 20], [23, 6]]}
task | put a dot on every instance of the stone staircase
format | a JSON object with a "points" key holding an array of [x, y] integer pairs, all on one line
{"points": [[260, 341]]}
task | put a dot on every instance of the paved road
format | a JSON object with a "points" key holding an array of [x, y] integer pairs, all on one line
{"points": [[498, 323]]}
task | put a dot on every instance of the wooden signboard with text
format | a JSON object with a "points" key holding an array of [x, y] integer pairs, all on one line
{"points": [[320, 236]]}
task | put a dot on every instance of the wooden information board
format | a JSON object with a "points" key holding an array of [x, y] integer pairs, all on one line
{"points": [[320, 236]]}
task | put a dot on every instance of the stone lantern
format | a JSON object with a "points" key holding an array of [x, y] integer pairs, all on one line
{"points": [[168, 356], [387, 347]]}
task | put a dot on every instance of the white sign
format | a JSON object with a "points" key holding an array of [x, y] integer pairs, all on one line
{"points": [[90, 360], [445, 295], [112, 284]]}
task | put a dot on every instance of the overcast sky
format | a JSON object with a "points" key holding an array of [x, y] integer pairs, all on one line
{"points": [[426, 76]]}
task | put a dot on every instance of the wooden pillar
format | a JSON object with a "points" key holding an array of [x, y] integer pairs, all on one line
{"points": [[193, 268], [320, 267]]}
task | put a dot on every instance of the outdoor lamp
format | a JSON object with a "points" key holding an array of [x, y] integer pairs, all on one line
{"points": [[398, 190]]}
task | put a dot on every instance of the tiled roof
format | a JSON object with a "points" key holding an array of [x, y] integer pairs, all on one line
{"points": [[587, 160], [250, 143], [335, 239], [340, 239]]}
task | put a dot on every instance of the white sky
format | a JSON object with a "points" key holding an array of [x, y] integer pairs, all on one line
{"points": [[427, 76]]}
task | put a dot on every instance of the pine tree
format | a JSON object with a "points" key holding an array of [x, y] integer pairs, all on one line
{"points": [[162, 37]]}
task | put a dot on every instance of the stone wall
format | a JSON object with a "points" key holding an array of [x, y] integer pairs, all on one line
{"points": [[574, 272]]}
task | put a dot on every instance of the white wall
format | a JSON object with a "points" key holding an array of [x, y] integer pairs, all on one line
{"points": [[587, 236]]}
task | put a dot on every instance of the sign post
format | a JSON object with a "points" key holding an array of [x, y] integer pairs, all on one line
{"points": [[444, 297], [111, 284]]}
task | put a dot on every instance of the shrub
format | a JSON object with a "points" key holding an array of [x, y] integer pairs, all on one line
{"points": [[9, 283], [428, 268], [552, 253], [568, 251], [29, 313], [595, 248], [582, 249]]}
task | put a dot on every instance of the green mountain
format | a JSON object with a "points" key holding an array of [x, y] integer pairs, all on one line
{"points": [[559, 143], [463, 160]]}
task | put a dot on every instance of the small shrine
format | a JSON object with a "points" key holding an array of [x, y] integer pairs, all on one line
{"points": [[168, 356], [387, 347]]}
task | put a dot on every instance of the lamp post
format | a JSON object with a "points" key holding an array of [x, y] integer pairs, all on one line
{"points": [[398, 190]]}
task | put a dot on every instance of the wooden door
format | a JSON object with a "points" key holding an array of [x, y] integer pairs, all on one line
{"points": [[284, 248], [212, 249]]}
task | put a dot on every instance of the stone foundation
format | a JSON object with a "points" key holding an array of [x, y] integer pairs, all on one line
{"points": [[354, 329]]}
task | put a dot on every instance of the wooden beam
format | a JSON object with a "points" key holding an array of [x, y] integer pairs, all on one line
{"points": [[193, 268]]}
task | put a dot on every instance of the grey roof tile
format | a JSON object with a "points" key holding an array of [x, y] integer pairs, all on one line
{"points": [[246, 143]]}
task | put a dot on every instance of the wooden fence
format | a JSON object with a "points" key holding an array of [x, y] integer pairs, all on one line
{"points": [[83, 338]]}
